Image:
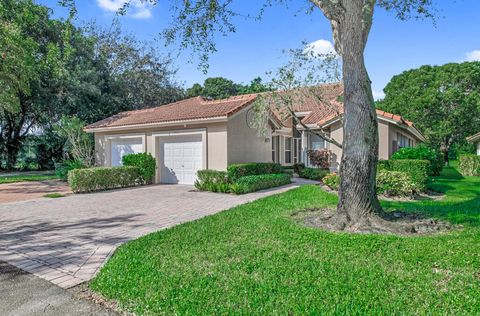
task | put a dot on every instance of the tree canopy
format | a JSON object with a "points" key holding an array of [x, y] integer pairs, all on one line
{"points": [[443, 101], [221, 88]]}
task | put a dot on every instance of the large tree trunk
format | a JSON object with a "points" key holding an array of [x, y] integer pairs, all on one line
{"points": [[358, 205]]}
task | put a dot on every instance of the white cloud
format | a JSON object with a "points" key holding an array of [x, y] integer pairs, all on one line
{"points": [[378, 95], [320, 48], [473, 56], [136, 10]]}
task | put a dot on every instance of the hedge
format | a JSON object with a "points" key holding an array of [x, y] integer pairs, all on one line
{"points": [[236, 171], [62, 168], [422, 152], [332, 180], [103, 178], [313, 173], [144, 162], [212, 180], [417, 170], [254, 183], [395, 183], [469, 165]]}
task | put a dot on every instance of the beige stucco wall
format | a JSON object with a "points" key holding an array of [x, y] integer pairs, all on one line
{"points": [[387, 132], [244, 143], [215, 141]]}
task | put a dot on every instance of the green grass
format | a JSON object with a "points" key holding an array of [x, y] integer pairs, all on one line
{"points": [[23, 178], [255, 260], [54, 195]]}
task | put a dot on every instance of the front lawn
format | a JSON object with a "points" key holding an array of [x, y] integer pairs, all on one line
{"points": [[254, 259], [23, 178]]}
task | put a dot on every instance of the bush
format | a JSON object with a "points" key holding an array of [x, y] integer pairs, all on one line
{"points": [[332, 180], [236, 171], [313, 173], [259, 182], [320, 158], [416, 169], [103, 178], [62, 168], [422, 153], [145, 163], [212, 180], [298, 167], [469, 165], [395, 183]]}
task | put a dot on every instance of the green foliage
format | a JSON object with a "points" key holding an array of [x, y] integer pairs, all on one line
{"points": [[25, 178], [79, 144], [54, 195], [62, 169], [395, 183], [212, 180], [297, 168], [254, 183], [469, 165], [145, 163], [416, 169], [443, 101], [422, 152], [332, 180], [313, 173], [236, 171], [221, 88], [103, 178], [320, 158]]}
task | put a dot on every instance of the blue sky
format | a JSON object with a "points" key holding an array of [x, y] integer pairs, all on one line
{"points": [[256, 47]]}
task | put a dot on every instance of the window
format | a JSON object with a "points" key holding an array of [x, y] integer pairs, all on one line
{"points": [[297, 150], [404, 141], [316, 142], [275, 143], [288, 150]]}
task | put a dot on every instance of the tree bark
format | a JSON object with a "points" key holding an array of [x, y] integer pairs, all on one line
{"points": [[358, 203]]}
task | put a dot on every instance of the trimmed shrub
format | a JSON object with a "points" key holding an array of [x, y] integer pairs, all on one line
{"points": [[332, 180], [145, 163], [313, 173], [469, 165], [395, 183], [103, 178], [254, 183], [298, 167], [212, 180], [416, 169], [320, 158], [62, 168], [236, 171], [422, 153]]}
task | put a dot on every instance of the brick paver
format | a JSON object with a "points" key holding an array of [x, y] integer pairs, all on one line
{"points": [[67, 240]]}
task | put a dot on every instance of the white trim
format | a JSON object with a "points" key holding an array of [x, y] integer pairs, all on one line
{"points": [[180, 132], [159, 124], [301, 128], [302, 114]]}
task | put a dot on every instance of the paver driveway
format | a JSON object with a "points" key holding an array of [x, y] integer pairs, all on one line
{"points": [[67, 240]]}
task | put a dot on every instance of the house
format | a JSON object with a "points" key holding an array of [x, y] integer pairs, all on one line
{"points": [[475, 139], [197, 133]]}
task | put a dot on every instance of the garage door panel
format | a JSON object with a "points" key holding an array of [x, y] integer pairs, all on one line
{"points": [[180, 158]]}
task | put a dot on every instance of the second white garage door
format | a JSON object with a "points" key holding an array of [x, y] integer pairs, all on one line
{"points": [[181, 158]]}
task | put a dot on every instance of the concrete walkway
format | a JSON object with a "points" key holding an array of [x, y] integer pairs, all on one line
{"points": [[66, 240], [25, 294]]}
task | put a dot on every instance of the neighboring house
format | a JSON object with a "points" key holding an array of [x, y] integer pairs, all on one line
{"points": [[476, 140], [195, 134]]}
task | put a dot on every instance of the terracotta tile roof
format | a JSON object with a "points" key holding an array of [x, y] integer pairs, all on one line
{"points": [[474, 138], [394, 117], [189, 109]]}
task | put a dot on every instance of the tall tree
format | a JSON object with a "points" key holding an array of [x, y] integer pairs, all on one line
{"points": [[196, 23], [221, 88], [443, 101]]}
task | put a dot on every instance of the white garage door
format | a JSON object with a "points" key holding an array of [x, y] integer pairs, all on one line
{"points": [[122, 147], [181, 158]]}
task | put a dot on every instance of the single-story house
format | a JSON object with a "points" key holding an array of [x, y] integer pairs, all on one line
{"points": [[197, 133], [476, 140]]}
